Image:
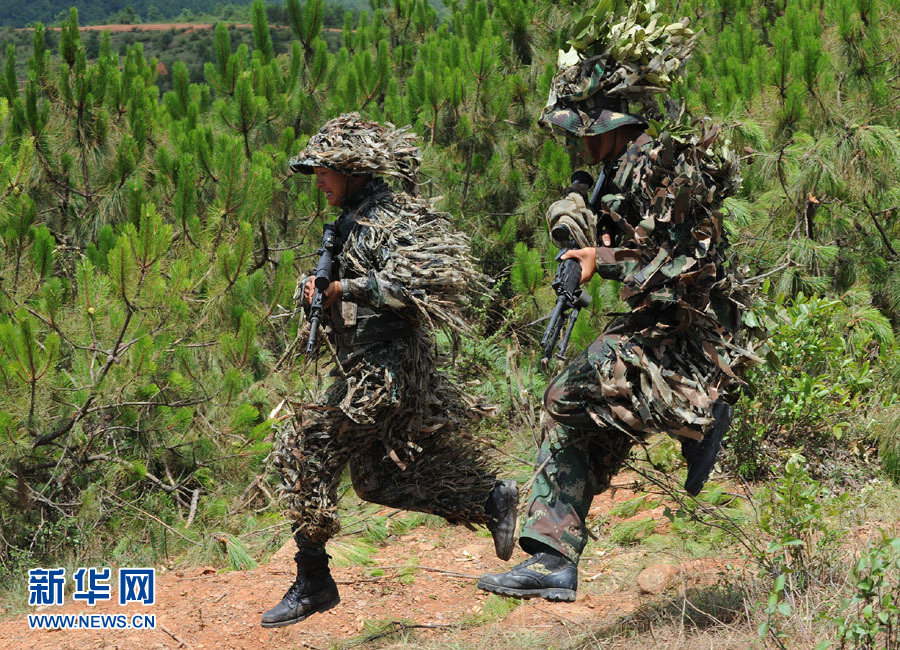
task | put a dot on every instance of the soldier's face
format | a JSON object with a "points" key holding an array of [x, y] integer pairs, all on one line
{"points": [[597, 148], [333, 184]]}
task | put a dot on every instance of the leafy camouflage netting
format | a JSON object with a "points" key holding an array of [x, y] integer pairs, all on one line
{"points": [[641, 52], [431, 268], [390, 413], [351, 145], [682, 345], [613, 62], [397, 422]]}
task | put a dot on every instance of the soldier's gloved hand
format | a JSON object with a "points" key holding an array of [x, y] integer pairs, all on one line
{"points": [[572, 214], [587, 259]]}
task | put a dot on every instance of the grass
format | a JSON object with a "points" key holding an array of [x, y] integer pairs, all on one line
{"points": [[628, 533], [407, 575], [889, 447], [349, 551], [633, 506], [495, 608]]}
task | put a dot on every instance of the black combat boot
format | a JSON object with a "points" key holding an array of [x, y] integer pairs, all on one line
{"points": [[501, 508], [701, 454], [313, 590], [546, 574]]}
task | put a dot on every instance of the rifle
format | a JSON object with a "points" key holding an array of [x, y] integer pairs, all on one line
{"points": [[323, 280], [570, 297]]}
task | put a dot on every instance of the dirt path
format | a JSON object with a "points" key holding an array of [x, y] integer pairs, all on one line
{"points": [[206, 608], [202, 608]]}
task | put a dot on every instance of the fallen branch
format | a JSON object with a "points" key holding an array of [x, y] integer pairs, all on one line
{"points": [[395, 627], [153, 517], [174, 636], [195, 499]]}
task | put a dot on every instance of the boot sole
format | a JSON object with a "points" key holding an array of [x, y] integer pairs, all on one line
{"points": [[504, 547], [324, 607], [556, 595]]}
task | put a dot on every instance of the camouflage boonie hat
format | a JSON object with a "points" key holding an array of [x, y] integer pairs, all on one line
{"points": [[350, 145], [577, 106]]}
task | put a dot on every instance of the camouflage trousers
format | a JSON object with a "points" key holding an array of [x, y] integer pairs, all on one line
{"points": [[396, 421], [580, 453]]}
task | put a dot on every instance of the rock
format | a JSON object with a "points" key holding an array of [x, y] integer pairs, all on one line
{"points": [[656, 579]]}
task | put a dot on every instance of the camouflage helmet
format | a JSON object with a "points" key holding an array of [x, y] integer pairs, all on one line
{"points": [[614, 62], [350, 145], [575, 106]]}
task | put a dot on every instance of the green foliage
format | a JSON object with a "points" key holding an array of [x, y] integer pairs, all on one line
{"points": [[350, 552], [407, 574], [870, 618], [527, 272], [150, 233], [238, 557], [494, 608], [804, 545], [816, 385], [631, 507], [19, 13], [628, 533]]}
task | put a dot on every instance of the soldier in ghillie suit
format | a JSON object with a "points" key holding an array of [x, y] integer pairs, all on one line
{"points": [[400, 271], [673, 362]]}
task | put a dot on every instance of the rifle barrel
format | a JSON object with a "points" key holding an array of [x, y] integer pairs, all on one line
{"points": [[313, 335]]}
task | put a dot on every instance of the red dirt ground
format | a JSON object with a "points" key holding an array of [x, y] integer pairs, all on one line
{"points": [[218, 609]]}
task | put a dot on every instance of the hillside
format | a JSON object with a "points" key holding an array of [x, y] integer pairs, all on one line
{"points": [[22, 13], [151, 237]]}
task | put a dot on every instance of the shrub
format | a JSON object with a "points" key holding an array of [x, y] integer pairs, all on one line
{"points": [[816, 386]]}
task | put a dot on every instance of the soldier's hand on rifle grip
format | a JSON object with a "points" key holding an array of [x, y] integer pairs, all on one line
{"points": [[332, 293], [587, 259], [309, 289]]}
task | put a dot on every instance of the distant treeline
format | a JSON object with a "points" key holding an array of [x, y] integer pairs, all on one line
{"points": [[23, 13]]}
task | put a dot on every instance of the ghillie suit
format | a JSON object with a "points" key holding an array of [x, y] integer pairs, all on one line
{"points": [[389, 413], [673, 362]]}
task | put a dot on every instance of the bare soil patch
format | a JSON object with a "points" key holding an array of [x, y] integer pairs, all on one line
{"points": [[208, 608]]}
